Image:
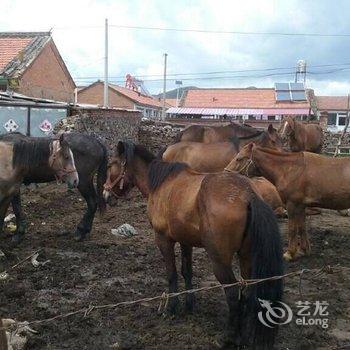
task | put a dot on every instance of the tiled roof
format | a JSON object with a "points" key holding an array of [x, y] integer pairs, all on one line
{"points": [[137, 97], [171, 102], [18, 50], [237, 98], [335, 103]]}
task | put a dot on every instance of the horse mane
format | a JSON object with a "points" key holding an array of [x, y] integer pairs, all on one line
{"points": [[131, 150], [235, 141], [159, 171], [258, 133], [278, 153], [31, 153]]}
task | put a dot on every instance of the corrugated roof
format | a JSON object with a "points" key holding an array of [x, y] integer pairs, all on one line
{"points": [[237, 98], [335, 103], [235, 112], [19, 49]]}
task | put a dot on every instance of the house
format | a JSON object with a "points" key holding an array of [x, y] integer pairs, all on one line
{"points": [[336, 107], [30, 64], [254, 106], [121, 97]]}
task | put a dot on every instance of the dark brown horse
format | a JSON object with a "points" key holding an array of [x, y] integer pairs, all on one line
{"points": [[19, 157], [219, 212], [214, 157], [3, 338], [90, 157], [301, 136], [303, 179], [211, 134]]}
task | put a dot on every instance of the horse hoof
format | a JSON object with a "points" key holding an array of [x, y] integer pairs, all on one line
{"points": [[79, 236], [16, 239], [288, 256]]}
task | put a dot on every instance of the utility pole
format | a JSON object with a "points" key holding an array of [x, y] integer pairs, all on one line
{"points": [[105, 90], [164, 86], [344, 130]]}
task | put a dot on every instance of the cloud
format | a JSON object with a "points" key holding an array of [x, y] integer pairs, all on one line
{"points": [[78, 33]]}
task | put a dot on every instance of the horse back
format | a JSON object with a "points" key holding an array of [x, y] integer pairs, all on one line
{"points": [[314, 138]]}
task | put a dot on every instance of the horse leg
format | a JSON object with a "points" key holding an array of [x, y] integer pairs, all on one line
{"points": [[186, 270], [84, 227], [224, 274], [4, 205], [296, 226], [305, 247], [166, 247], [20, 218]]}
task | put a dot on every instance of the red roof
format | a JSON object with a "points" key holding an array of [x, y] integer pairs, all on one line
{"points": [[237, 98], [10, 48], [137, 97], [335, 103]]}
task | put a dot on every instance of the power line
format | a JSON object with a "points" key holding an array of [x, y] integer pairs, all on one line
{"points": [[219, 72], [208, 31], [230, 32]]}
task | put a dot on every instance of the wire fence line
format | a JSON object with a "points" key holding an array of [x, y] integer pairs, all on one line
{"points": [[164, 297]]}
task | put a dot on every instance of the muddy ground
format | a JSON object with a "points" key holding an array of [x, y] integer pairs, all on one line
{"points": [[105, 269]]}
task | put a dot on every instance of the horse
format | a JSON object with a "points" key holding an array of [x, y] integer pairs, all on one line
{"points": [[219, 212], [3, 338], [21, 156], [301, 136], [211, 134], [213, 157], [303, 179], [90, 157]]}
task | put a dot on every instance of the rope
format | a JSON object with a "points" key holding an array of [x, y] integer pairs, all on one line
{"points": [[164, 297]]}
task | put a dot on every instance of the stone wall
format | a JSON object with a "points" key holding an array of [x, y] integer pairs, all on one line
{"points": [[331, 141], [155, 135], [109, 125]]}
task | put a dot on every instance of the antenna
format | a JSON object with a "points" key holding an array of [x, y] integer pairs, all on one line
{"points": [[300, 73]]}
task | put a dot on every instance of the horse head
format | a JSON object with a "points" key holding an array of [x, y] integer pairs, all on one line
{"points": [[243, 162], [119, 178], [271, 139], [287, 128], [61, 161]]}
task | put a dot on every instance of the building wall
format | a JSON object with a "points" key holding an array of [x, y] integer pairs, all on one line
{"points": [[94, 95], [47, 78]]}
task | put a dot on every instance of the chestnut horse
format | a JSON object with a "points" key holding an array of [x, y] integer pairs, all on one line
{"points": [[213, 157], [303, 179], [214, 133], [301, 136], [20, 157], [219, 212]]}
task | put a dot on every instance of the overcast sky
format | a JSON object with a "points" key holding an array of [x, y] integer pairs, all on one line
{"points": [[78, 33]]}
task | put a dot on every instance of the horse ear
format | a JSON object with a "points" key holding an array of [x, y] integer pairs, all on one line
{"points": [[120, 148], [270, 129], [251, 146]]}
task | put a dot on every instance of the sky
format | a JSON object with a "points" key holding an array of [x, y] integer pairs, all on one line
{"points": [[237, 60]]}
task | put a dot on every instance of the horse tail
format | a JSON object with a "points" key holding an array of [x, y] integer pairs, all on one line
{"points": [[266, 261], [101, 179]]}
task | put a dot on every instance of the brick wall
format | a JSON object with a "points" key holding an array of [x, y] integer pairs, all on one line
{"points": [[109, 125], [94, 95], [47, 78]]}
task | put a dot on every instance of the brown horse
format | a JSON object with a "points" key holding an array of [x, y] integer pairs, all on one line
{"points": [[219, 212], [211, 134], [23, 156], [301, 136], [214, 157], [303, 179]]}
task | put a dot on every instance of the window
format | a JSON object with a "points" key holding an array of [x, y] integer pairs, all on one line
{"points": [[271, 117], [341, 119], [332, 119], [251, 117]]}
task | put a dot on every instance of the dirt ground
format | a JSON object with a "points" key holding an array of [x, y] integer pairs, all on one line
{"points": [[105, 269]]}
